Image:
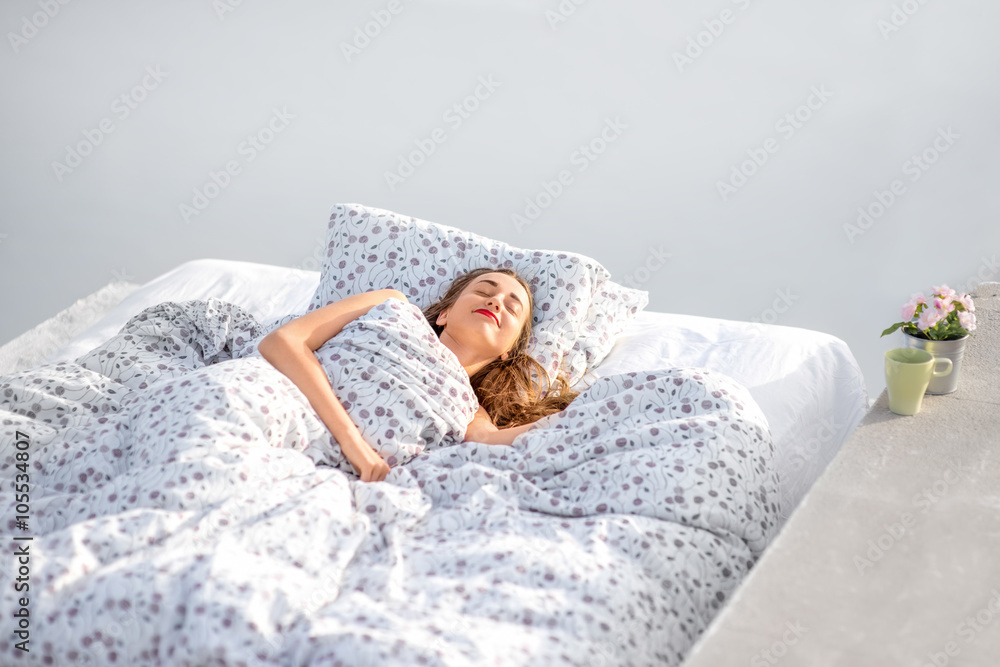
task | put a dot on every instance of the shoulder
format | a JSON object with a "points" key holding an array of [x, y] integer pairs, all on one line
{"points": [[381, 303], [378, 296], [393, 294], [392, 306]]}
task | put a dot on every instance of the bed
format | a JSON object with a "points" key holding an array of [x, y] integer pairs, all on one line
{"points": [[612, 534]]}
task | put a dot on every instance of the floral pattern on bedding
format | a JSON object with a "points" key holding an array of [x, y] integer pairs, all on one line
{"points": [[188, 507], [579, 311]]}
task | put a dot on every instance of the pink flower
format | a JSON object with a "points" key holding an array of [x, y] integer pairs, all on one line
{"points": [[944, 304], [929, 318], [944, 290], [967, 320], [942, 316], [910, 307]]}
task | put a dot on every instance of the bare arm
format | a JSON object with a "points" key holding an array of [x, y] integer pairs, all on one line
{"points": [[291, 349], [481, 429]]}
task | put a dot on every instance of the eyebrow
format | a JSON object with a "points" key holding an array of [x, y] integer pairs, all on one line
{"points": [[496, 284]]}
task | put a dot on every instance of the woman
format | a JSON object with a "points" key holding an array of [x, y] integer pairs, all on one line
{"points": [[484, 319]]}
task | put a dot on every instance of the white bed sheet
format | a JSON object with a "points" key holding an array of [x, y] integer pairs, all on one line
{"points": [[807, 383]]}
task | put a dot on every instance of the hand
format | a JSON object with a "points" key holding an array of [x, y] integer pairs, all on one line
{"points": [[481, 427], [370, 466]]}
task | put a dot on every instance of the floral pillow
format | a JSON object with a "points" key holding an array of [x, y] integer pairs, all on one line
{"points": [[578, 311]]}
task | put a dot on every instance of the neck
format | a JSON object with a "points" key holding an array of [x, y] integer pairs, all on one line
{"points": [[470, 361]]}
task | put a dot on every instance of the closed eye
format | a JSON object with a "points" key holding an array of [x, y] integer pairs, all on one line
{"points": [[510, 307]]}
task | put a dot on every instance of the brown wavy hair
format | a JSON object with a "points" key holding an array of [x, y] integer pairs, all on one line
{"points": [[517, 390]]}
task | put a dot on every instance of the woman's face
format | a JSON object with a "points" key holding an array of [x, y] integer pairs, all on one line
{"points": [[487, 317]]}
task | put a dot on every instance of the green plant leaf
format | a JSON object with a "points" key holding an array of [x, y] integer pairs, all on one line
{"points": [[892, 328]]}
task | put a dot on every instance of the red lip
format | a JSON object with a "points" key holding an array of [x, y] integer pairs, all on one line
{"points": [[493, 315]]}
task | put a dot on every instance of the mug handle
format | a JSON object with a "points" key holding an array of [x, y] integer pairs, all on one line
{"points": [[947, 361]]}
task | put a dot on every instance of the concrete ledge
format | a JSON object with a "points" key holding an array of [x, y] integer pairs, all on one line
{"points": [[893, 557]]}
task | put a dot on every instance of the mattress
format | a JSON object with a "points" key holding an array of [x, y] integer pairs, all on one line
{"points": [[807, 383], [178, 501]]}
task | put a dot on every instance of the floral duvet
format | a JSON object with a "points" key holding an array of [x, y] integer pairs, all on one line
{"points": [[172, 499]]}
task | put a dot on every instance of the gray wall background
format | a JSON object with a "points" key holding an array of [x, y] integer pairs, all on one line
{"points": [[893, 78]]}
